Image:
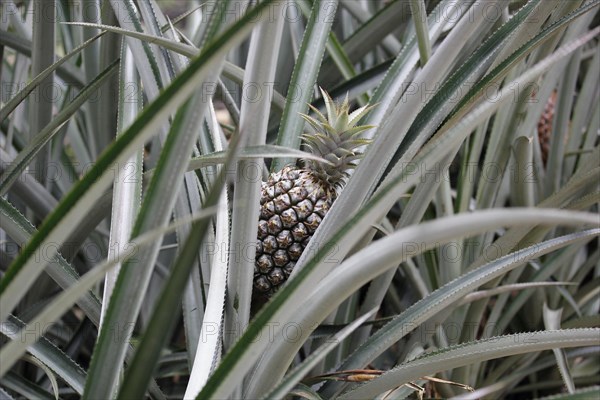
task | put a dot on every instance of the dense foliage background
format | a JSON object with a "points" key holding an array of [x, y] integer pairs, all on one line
{"points": [[460, 260]]}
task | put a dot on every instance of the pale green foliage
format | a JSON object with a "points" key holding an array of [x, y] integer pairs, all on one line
{"points": [[461, 244], [335, 139]]}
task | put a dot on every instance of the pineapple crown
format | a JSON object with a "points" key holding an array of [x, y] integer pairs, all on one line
{"points": [[335, 140]]}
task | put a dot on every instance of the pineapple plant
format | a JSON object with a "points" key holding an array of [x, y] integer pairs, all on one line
{"points": [[295, 200], [125, 269]]}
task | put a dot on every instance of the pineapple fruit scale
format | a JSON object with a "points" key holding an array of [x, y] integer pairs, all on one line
{"points": [[295, 200]]}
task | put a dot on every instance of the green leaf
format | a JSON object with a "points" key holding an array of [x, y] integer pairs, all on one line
{"points": [[184, 49], [63, 273], [261, 68], [472, 352], [419, 14], [348, 235], [304, 77], [49, 354], [127, 188], [580, 394], [48, 131], [552, 322], [162, 322], [156, 209], [300, 371], [397, 111], [66, 71], [524, 179], [11, 352], [385, 254], [26, 388], [250, 153], [10, 106]]}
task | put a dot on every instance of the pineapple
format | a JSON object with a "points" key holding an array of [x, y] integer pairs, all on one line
{"points": [[295, 200], [544, 127]]}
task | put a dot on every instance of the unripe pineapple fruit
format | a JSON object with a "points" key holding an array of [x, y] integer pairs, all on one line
{"points": [[295, 200], [545, 128]]}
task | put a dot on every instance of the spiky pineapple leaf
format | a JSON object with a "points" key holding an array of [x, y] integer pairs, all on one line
{"points": [[236, 362], [373, 31], [63, 273], [155, 212], [579, 394], [385, 254], [48, 353], [181, 48], [11, 352], [300, 371], [261, 68], [249, 153], [393, 120], [127, 192], [472, 352], [22, 45], [304, 77], [61, 222], [440, 299], [23, 93], [41, 138]]}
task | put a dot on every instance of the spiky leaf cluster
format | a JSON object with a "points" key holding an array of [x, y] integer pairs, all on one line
{"points": [[336, 139]]}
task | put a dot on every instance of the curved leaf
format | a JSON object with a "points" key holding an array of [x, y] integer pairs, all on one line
{"points": [[473, 352]]}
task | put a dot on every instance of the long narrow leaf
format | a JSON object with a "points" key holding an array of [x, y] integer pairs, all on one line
{"points": [[501, 346], [310, 275], [11, 352], [135, 275], [23, 93], [49, 130], [294, 376], [304, 77]]}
